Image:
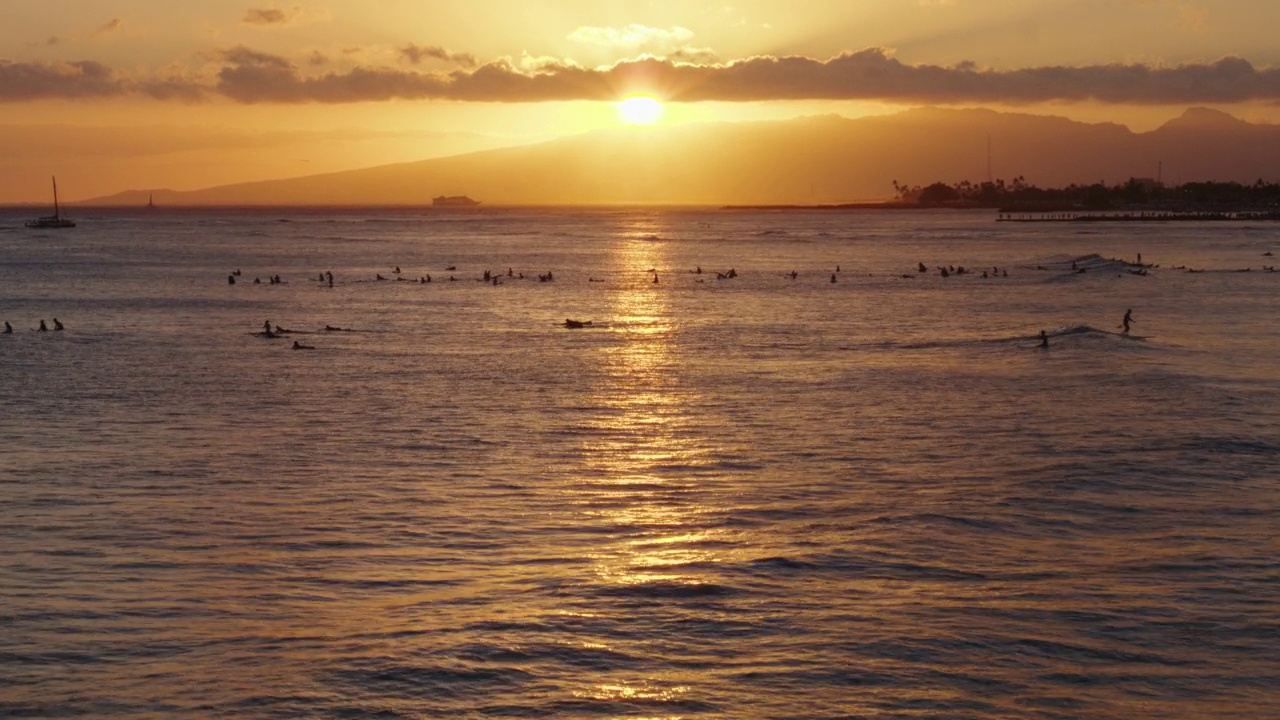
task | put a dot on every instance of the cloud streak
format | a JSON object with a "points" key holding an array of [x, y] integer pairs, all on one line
{"points": [[249, 76], [71, 80], [107, 29], [270, 16], [671, 43], [416, 54], [632, 36], [265, 16], [87, 80]]}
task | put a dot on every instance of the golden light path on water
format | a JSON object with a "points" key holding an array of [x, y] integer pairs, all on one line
{"points": [[640, 428], [644, 425]]}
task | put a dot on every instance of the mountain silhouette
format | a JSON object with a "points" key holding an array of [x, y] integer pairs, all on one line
{"points": [[822, 159], [1202, 118]]}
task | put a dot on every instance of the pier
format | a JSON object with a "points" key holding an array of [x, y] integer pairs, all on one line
{"points": [[1139, 216]]}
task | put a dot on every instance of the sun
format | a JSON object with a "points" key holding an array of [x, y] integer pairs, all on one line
{"points": [[640, 110]]}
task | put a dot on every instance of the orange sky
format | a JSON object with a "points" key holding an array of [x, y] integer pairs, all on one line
{"points": [[148, 94]]}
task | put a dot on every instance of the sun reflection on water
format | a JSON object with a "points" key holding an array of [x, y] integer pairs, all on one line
{"points": [[644, 452]]}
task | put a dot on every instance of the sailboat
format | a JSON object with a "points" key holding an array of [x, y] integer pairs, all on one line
{"points": [[55, 220]]}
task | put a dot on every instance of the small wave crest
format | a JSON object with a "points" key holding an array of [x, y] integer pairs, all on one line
{"points": [[670, 589], [1083, 330], [1067, 267]]}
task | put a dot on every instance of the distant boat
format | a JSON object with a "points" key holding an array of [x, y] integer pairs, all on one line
{"points": [[151, 201], [454, 201], [55, 220]]}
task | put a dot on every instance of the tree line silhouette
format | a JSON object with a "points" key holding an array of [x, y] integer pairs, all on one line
{"points": [[1134, 194]]}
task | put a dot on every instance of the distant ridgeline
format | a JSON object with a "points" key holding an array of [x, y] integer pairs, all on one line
{"points": [[1137, 195]]}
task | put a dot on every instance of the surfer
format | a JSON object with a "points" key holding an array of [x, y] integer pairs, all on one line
{"points": [[42, 327], [299, 346], [1128, 319], [8, 329], [231, 279], [1044, 340], [57, 325]]}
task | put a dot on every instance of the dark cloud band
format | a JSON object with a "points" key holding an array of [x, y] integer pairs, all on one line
{"points": [[249, 76]]}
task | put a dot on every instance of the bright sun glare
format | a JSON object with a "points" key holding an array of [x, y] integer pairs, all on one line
{"points": [[640, 110]]}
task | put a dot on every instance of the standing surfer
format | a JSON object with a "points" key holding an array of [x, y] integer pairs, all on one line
{"points": [[1128, 319]]}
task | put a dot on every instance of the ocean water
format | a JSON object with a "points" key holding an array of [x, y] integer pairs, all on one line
{"points": [[750, 497]]}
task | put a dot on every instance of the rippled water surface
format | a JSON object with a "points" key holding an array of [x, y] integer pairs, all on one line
{"points": [[750, 497]]}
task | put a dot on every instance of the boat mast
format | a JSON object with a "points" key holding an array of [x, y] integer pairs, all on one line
{"points": [[55, 195]]}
